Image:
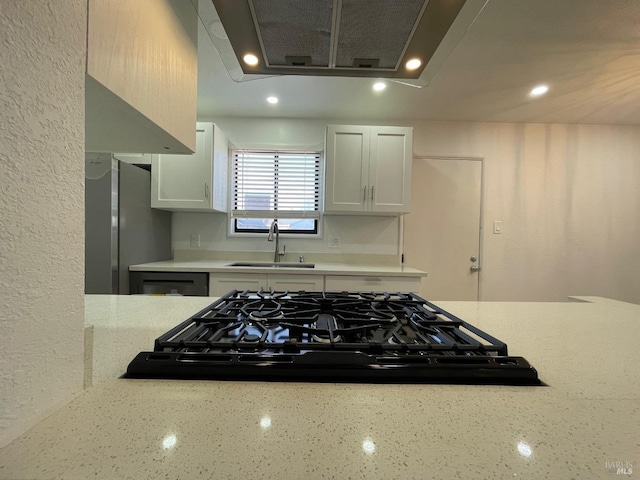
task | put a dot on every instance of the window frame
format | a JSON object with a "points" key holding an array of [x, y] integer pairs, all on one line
{"points": [[280, 215]]}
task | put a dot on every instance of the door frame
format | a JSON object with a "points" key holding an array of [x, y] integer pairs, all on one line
{"points": [[482, 205]]}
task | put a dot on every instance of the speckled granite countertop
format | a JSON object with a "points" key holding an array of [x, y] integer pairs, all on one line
{"points": [[585, 424], [320, 268]]}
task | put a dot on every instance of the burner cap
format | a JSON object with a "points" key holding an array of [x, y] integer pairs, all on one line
{"points": [[324, 323], [261, 315], [389, 319], [263, 310]]}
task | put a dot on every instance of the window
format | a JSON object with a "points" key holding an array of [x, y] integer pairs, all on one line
{"points": [[268, 185]]}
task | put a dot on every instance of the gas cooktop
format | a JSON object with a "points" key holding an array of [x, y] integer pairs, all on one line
{"points": [[330, 337]]}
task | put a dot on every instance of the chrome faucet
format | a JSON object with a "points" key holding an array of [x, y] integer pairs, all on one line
{"points": [[273, 230]]}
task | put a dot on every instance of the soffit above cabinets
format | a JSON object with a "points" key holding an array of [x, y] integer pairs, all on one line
{"points": [[353, 38]]}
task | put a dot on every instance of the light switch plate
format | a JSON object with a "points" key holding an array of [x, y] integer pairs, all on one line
{"points": [[497, 227], [195, 240], [334, 242]]}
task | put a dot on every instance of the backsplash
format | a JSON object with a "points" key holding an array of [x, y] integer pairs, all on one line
{"points": [[355, 237]]}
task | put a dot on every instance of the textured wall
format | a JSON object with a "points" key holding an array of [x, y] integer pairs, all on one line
{"points": [[42, 53]]}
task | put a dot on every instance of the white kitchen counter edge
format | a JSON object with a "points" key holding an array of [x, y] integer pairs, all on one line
{"points": [[215, 266]]}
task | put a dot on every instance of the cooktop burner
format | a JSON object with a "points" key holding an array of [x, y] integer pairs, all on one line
{"points": [[330, 337]]}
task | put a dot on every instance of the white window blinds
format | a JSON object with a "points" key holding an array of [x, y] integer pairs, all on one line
{"points": [[275, 184]]}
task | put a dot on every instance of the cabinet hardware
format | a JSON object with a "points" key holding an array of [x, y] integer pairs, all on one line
{"points": [[372, 187], [364, 194]]}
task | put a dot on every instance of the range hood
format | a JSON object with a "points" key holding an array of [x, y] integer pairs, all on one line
{"points": [[354, 38]]}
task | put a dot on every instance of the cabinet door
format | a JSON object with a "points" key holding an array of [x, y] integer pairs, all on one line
{"points": [[390, 169], [142, 76], [183, 182], [371, 283], [347, 171], [222, 283], [220, 152], [295, 283], [197, 182], [134, 158]]}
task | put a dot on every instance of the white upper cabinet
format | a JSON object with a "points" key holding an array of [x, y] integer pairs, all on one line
{"points": [[196, 183], [134, 158], [141, 77], [347, 171], [368, 170]]}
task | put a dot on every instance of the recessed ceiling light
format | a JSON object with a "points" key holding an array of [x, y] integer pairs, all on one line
{"points": [[250, 59], [272, 100], [413, 64], [379, 86], [539, 90]]}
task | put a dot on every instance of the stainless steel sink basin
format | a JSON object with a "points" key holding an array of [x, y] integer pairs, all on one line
{"points": [[272, 264]]}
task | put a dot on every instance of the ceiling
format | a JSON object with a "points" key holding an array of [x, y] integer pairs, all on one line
{"points": [[346, 38], [586, 51]]}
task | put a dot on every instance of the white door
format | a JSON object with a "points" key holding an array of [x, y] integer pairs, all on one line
{"points": [[442, 232]]}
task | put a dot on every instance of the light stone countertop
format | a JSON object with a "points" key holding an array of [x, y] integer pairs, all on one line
{"points": [[321, 268], [585, 424]]}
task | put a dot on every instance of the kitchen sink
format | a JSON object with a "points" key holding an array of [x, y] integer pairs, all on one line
{"points": [[272, 264]]}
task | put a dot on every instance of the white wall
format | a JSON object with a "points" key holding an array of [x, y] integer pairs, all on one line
{"points": [[42, 53], [568, 197]]}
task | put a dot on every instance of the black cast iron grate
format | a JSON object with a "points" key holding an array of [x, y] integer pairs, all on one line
{"points": [[330, 337]]}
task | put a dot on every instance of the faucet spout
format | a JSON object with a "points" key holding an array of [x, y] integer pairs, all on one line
{"points": [[275, 231]]}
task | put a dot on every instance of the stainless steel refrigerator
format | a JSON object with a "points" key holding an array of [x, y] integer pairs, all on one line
{"points": [[121, 228]]}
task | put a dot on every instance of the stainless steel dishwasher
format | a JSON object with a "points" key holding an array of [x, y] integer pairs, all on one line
{"points": [[169, 283]]}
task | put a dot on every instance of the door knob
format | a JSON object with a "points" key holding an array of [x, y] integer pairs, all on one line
{"points": [[474, 258], [475, 268]]}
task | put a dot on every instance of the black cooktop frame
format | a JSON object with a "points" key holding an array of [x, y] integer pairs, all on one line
{"points": [[201, 347]]}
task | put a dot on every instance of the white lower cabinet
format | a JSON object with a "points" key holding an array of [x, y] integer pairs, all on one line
{"points": [[371, 283], [222, 283], [294, 283]]}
